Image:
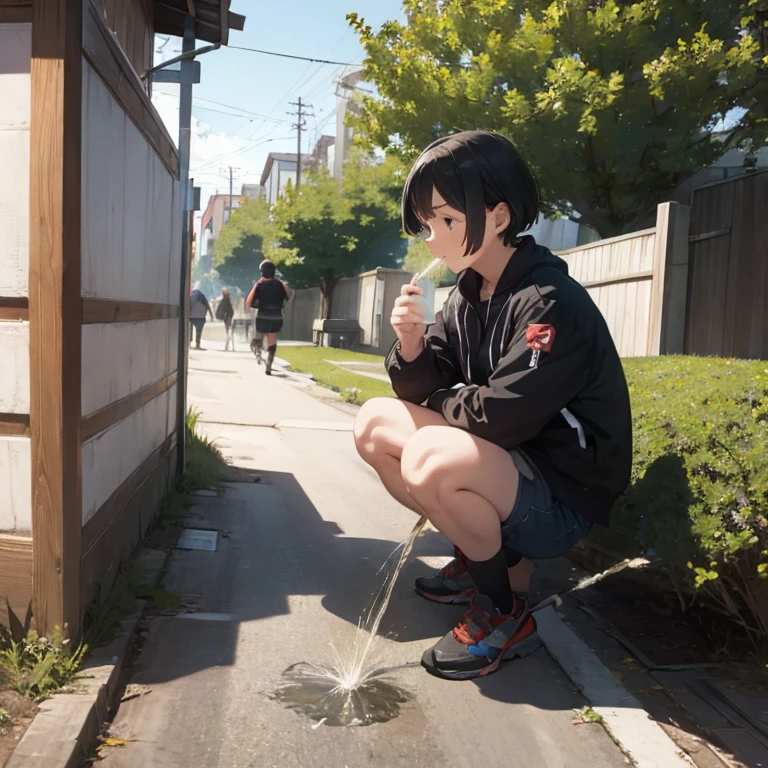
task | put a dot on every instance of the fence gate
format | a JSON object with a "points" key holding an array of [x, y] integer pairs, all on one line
{"points": [[727, 306]]}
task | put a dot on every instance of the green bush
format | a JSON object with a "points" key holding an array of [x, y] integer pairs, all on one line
{"points": [[698, 502]]}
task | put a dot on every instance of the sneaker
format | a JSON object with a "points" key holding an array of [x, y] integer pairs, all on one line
{"points": [[481, 640], [452, 584]]}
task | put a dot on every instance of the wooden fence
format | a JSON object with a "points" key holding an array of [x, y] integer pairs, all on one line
{"points": [[638, 282], [696, 283], [727, 307], [89, 295]]}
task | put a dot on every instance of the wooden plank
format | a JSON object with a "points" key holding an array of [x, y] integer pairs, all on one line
{"points": [[14, 424], [631, 278], [611, 240], [117, 311], [15, 11], [709, 235], [708, 271], [659, 269], [628, 320], [54, 310], [16, 565], [14, 308], [675, 291], [112, 534], [108, 59], [745, 303], [114, 412]]}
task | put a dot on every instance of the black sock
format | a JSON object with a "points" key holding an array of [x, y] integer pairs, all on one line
{"points": [[490, 578], [272, 350]]}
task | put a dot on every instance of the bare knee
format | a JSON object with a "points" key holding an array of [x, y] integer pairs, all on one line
{"points": [[370, 428], [428, 464]]}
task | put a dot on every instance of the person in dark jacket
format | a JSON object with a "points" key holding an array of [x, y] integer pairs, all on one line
{"points": [[268, 296], [512, 428], [199, 308], [226, 312]]}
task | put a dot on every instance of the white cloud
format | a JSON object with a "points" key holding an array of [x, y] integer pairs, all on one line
{"points": [[211, 153]]}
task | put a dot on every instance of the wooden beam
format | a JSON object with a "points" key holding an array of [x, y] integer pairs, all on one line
{"points": [[116, 311], [16, 557], [15, 11], [669, 291], [14, 308], [119, 410], [633, 278], [106, 56], [54, 310], [14, 424]]}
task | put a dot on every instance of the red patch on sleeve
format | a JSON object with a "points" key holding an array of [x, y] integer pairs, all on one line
{"points": [[540, 337]]}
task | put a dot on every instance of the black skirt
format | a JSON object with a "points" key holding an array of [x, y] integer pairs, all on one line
{"points": [[268, 326]]}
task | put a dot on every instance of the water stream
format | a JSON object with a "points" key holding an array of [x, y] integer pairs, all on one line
{"points": [[352, 691]]}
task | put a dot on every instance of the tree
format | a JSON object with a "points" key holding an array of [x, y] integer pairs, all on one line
{"points": [[613, 103], [326, 232], [242, 243]]}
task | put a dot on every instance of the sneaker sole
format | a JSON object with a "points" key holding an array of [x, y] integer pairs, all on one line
{"points": [[519, 651], [462, 598]]}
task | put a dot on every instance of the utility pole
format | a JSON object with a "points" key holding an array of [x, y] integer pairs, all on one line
{"points": [[301, 124], [230, 191], [186, 80]]}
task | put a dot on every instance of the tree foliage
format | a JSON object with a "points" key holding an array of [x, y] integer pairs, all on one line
{"points": [[613, 103], [325, 232], [242, 245]]}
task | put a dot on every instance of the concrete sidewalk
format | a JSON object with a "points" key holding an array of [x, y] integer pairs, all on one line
{"points": [[296, 564]]}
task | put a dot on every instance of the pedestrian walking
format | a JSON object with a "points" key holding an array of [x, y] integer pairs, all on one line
{"points": [[199, 309], [226, 313]]}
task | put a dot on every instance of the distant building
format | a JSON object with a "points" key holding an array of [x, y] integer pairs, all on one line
{"points": [[322, 155], [279, 169], [251, 192], [345, 79], [216, 215]]}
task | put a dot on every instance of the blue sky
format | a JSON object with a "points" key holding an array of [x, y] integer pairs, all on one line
{"points": [[251, 82]]}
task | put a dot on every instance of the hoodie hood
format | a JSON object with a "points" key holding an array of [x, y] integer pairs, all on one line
{"points": [[528, 258]]}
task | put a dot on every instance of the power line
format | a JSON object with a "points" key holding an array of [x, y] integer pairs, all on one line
{"points": [[232, 155], [247, 116], [292, 56], [238, 109]]}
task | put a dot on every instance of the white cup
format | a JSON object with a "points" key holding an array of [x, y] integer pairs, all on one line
{"points": [[428, 300]]}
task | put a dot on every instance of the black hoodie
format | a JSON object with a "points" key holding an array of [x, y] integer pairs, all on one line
{"points": [[534, 368]]}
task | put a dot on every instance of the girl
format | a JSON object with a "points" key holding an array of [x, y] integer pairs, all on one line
{"points": [[512, 430], [268, 296]]}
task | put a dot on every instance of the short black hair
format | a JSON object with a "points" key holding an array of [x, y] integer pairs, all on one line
{"points": [[267, 269], [473, 171]]}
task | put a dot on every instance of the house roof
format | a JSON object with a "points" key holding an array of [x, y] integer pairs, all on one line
{"points": [[213, 19], [208, 214], [281, 157]]}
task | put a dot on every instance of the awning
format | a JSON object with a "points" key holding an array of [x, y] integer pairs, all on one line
{"points": [[213, 19]]}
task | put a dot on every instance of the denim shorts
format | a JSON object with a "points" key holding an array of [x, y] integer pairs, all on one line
{"points": [[539, 527]]}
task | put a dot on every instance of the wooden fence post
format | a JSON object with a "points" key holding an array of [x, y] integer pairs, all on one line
{"points": [[55, 310], [670, 280]]}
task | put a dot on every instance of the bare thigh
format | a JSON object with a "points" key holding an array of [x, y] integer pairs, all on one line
{"points": [[271, 339], [438, 463]]}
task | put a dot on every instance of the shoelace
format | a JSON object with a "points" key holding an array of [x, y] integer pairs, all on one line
{"points": [[462, 632]]}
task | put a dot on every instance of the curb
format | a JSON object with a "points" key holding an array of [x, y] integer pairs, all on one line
{"points": [[642, 740], [67, 726]]}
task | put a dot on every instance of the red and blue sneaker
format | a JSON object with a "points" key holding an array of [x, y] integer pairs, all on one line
{"points": [[481, 640], [452, 584]]}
